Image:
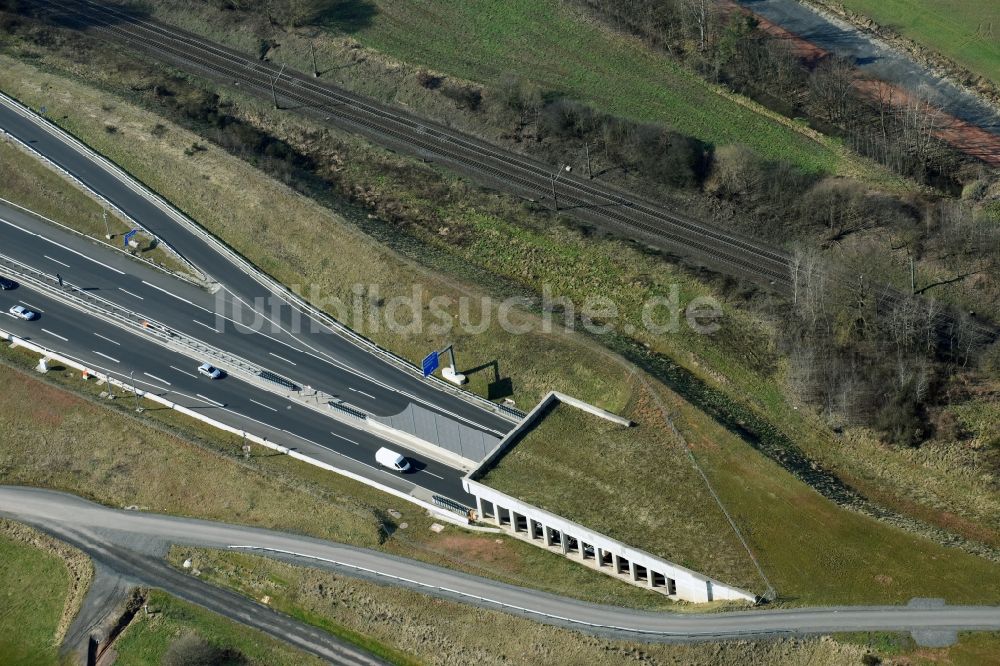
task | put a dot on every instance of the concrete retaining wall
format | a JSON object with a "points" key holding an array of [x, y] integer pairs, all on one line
{"points": [[572, 540]]}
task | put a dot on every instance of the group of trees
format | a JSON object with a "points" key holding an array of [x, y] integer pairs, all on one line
{"points": [[867, 353], [727, 46]]}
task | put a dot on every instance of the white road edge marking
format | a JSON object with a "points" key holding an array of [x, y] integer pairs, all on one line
{"points": [[55, 335], [110, 358], [169, 293], [108, 339], [63, 247], [282, 358], [217, 404], [344, 438], [56, 260], [157, 379], [262, 405], [200, 323]]}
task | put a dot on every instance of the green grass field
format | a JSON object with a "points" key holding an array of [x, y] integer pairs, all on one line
{"points": [[27, 182], [815, 552], [967, 31], [564, 52], [550, 44], [33, 588], [149, 639], [576, 464]]}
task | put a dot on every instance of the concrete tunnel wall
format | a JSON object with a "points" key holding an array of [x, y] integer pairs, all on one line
{"points": [[599, 552]]}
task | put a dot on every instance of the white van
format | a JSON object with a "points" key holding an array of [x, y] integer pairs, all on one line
{"points": [[392, 460]]}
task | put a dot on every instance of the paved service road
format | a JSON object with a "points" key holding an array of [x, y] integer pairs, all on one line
{"points": [[58, 512], [129, 568]]}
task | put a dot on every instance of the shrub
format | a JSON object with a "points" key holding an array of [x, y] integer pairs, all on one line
{"points": [[192, 650], [465, 96]]}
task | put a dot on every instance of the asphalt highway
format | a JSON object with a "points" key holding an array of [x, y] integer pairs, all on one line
{"points": [[124, 355], [219, 320], [58, 512], [306, 341]]}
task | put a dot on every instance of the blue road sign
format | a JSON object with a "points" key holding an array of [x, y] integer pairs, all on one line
{"points": [[129, 235], [430, 364]]}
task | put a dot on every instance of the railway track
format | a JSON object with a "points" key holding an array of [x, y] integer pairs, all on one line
{"points": [[616, 208], [675, 232]]}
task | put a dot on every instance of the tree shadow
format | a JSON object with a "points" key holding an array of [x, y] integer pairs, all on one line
{"points": [[345, 15]]}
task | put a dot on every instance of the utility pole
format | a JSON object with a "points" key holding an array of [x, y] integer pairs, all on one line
{"points": [[274, 94], [590, 172], [135, 391], [107, 227], [553, 177], [913, 277], [312, 52]]}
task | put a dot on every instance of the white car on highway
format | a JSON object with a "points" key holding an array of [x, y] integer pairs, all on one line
{"points": [[209, 371], [392, 460], [22, 312]]}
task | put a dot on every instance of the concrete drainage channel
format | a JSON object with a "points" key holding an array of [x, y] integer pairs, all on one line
{"points": [[245, 370]]}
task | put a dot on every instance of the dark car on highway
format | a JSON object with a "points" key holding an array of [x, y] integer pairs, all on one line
{"points": [[7, 284]]}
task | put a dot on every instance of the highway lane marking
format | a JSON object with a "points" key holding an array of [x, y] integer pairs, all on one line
{"points": [[344, 438], [184, 372], [32, 307], [201, 323], [110, 358], [328, 358], [363, 393], [157, 379], [262, 405], [282, 358], [179, 298], [432, 474], [108, 339], [131, 294], [325, 357], [55, 335], [217, 404], [63, 247], [56, 260]]}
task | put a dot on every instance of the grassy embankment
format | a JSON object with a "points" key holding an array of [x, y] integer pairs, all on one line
{"points": [[944, 482], [964, 30], [166, 463], [549, 44], [154, 639], [29, 183], [576, 464], [236, 202], [42, 583]]}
